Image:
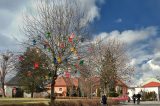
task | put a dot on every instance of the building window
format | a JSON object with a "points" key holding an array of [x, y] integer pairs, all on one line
{"points": [[60, 89]]}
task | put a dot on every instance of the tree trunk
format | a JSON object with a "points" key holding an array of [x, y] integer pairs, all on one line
{"points": [[32, 89], [4, 94], [53, 97], [54, 77], [32, 92], [90, 96]]}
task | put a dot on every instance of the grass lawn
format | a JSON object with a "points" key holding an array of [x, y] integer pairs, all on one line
{"points": [[9, 101]]}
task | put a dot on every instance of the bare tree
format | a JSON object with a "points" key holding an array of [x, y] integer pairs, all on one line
{"points": [[57, 28], [7, 64], [111, 62]]}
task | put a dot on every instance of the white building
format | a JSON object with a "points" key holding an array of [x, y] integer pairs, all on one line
{"points": [[131, 91], [149, 86]]}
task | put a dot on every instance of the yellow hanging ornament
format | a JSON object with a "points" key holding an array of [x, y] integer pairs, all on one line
{"points": [[59, 59], [75, 52], [72, 49], [46, 77]]}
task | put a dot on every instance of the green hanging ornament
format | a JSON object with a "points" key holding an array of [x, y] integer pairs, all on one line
{"points": [[49, 49], [48, 35], [50, 75], [81, 62], [73, 67]]}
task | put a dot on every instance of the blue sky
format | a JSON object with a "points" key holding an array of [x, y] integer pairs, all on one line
{"points": [[135, 22], [128, 14]]}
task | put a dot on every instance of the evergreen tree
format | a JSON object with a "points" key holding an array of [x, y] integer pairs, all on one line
{"points": [[33, 70]]}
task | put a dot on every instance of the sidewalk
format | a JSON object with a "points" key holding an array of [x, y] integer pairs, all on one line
{"points": [[143, 103]]}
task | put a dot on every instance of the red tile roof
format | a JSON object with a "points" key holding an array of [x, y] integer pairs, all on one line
{"points": [[120, 82], [152, 84], [65, 82], [60, 82]]}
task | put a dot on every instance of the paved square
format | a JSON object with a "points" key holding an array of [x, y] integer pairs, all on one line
{"points": [[144, 103]]}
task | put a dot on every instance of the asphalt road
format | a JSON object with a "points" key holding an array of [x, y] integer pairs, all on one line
{"points": [[146, 103]]}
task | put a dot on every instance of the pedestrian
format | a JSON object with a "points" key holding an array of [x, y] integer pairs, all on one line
{"points": [[104, 100], [134, 98], [138, 98]]}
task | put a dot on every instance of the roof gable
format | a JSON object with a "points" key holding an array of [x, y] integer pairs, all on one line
{"points": [[60, 82], [152, 84], [121, 83]]}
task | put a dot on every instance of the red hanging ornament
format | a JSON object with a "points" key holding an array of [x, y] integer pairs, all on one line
{"points": [[79, 57], [90, 49], [70, 39], [76, 65], [72, 35], [21, 58], [36, 65], [67, 74], [62, 45]]}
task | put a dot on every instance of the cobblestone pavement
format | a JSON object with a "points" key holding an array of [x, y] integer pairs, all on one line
{"points": [[146, 103]]}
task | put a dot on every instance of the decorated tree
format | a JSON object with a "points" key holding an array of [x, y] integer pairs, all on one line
{"points": [[58, 28], [7, 65], [32, 71]]}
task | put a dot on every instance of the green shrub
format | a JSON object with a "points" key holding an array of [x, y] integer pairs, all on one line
{"points": [[113, 94], [149, 96]]}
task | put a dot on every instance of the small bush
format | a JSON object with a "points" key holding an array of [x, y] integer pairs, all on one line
{"points": [[85, 102], [113, 94]]}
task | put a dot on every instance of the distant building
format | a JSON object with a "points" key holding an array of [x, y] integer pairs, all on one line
{"points": [[66, 86], [122, 87], [63, 85], [149, 86]]}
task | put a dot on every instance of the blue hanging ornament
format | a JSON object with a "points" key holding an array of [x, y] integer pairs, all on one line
{"points": [[65, 60], [44, 46], [55, 60], [82, 40], [39, 37], [75, 71], [34, 42]]}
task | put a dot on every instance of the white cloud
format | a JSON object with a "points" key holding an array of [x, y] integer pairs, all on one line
{"points": [[11, 21], [91, 7], [132, 36], [143, 50]]}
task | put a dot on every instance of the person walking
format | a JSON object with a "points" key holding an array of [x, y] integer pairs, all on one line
{"points": [[134, 98], [138, 98], [104, 100]]}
